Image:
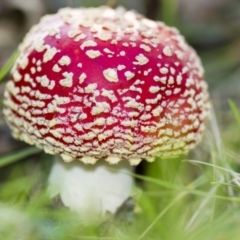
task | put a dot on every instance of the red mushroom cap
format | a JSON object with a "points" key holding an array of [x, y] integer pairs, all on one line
{"points": [[102, 83]]}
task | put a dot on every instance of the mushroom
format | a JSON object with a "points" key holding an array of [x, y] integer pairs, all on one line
{"points": [[95, 84]]}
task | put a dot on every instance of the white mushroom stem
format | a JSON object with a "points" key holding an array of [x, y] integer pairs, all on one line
{"points": [[91, 190]]}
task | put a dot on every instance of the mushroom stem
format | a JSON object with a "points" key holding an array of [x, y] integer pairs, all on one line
{"points": [[91, 190]]}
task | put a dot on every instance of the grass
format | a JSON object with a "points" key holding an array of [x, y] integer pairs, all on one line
{"points": [[18, 156], [169, 12], [180, 199], [8, 65]]}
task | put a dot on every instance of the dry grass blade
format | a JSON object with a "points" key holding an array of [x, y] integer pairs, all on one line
{"points": [[233, 173]]}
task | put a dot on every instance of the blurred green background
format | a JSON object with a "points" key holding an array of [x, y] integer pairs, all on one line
{"points": [[212, 27]]}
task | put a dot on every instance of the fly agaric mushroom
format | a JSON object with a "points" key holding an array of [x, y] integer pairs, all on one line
{"points": [[101, 84]]}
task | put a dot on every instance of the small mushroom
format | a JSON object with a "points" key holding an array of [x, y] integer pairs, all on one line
{"points": [[103, 86]]}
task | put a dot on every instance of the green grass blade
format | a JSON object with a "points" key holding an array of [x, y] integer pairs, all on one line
{"points": [[235, 111], [172, 186], [4, 161], [233, 173], [8, 65], [175, 200], [235, 187], [169, 12]]}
